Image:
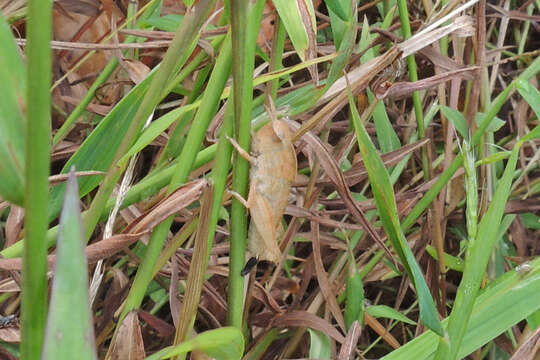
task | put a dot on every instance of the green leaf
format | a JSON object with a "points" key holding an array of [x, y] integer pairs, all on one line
{"points": [[530, 94], [321, 346], [12, 118], [290, 14], [457, 119], [532, 135], [494, 125], [226, 343], [387, 208], [479, 252], [384, 311], [107, 135], [335, 7], [70, 330], [450, 261], [530, 221], [168, 22], [354, 306], [504, 303]]}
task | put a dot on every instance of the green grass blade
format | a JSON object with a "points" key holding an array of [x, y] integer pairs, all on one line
{"points": [[475, 264], [181, 173], [386, 206], [504, 303], [531, 96], [245, 22], [70, 329], [226, 343], [38, 130], [12, 120], [290, 15]]}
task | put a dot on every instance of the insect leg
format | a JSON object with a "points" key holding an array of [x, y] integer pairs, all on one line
{"points": [[243, 153]]}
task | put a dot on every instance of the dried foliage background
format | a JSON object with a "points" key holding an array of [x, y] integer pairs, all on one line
{"points": [[340, 262]]}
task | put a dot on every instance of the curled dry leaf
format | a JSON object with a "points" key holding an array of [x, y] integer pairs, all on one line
{"points": [[401, 89], [177, 200], [347, 349], [529, 349], [307, 319], [129, 343]]}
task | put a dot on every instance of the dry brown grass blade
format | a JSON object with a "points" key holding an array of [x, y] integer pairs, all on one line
{"points": [[336, 176], [197, 269], [347, 349], [128, 345], [178, 199], [164, 329], [529, 349], [404, 88], [307, 319], [315, 216], [94, 252], [322, 278], [261, 294], [381, 331]]}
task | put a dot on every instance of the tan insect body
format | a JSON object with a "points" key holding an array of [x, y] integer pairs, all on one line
{"points": [[272, 172]]}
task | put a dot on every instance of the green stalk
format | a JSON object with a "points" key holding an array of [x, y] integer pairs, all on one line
{"points": [[38, 135], [413, 76], [181, 173], [245, 22], [196, 269]]}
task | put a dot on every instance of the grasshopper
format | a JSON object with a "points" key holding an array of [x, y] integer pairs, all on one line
{"points": [[273, 169]]}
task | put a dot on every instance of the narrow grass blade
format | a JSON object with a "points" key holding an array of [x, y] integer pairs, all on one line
{"points": [[70, 330], [12, 120], [36, 173], [245, 23], [386, 205], [291, 16], [225, 343], [531, 95], [504, 303], [476, 262], [320, 345]]}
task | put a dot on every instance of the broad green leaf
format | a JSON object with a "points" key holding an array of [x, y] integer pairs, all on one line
{"points": [[530, 94], [387, 208], [107, 135], [386, 136], [532, 135], [342, 11], [226, 343], [457, 119], [290, 14], [450, 261], [384, 311], [354, 305], [12, 118], [531, 221], [320, 346], [494, 125], [70, 330], [168, 22], [504, 303]]}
